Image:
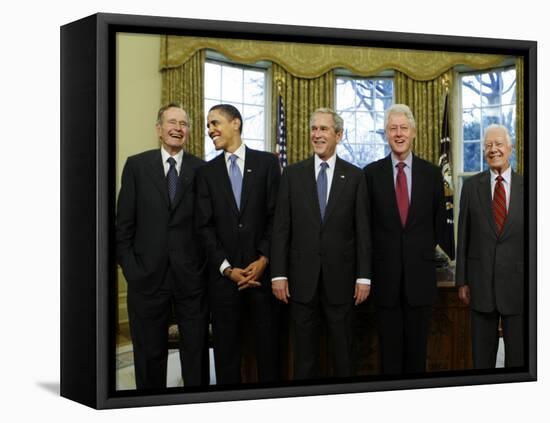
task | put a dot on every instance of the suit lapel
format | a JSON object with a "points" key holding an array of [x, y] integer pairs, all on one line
{"points": [[184, 180], [156, 172], [224, 182], [485, 199], [337, 185], [249, 175], [417, 182], [388, 186], [308, 182], [514, 209]]}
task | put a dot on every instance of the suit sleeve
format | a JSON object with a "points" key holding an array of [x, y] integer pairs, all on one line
{"points": [[463, 236], [363, 230], [272, 189], [281, 230], [204, 221], [126, 223]]}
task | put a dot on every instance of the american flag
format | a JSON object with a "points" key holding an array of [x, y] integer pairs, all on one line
{"points": [[281, 133], [445, 165]]}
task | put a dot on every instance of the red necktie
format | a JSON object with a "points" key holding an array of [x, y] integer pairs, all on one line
{"points": [[499, 204], [402, 193]]}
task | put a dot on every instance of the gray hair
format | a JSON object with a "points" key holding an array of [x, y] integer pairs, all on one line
{"points": [[497, 126], [399, 109], [338, 121]]}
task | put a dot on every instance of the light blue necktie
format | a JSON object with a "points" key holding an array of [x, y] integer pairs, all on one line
{"points": [[172, 178], [322, 188], [236, 179]]}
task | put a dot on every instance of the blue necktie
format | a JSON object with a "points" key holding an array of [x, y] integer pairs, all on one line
{"points": [[236, 179], [172, 178], [322, 188]]}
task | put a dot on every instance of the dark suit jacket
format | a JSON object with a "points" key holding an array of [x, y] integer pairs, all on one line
{"points": [[240, 236], [149, 233], [407, 252], [338, 248], [491, 265]]}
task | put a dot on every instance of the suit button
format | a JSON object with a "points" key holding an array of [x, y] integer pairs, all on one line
{"points": [[240, 226]]}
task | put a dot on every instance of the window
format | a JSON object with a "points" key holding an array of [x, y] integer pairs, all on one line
{"points": [[361, 103], [245, 88], [486, 98]]}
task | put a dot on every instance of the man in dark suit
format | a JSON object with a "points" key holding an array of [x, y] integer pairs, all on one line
{"points": [[406, 205], [320, 248], [489, 265], [160, 256], [236, 202]]}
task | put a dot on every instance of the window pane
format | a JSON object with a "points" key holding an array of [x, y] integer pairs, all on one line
{"points": [[470, 92], [253, 126], [212, 72], [254, 83], [471, 127], [345, 94], [364, 124], [509, 87], [232, 84], [489, 116], [472, 156]]}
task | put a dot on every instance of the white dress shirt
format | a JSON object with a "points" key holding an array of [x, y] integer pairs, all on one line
{"points": [[165, 156]]}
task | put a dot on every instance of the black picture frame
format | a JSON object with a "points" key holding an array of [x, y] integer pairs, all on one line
{"points": [[88, 143]]}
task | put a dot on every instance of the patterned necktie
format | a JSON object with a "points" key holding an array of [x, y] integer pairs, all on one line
{"points": [[172, 178], [322, 188], [402, 193], [499, 204], [236, 179]]}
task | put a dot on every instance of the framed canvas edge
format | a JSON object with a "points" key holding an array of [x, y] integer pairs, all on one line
{"points": [[104, 194]]}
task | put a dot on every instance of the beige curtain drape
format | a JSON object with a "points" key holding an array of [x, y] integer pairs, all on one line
{"points": [[185, 85], [426, 100], [301, 96]]}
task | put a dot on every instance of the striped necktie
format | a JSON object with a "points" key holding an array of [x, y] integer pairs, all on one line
{"points": [[499, 204]]}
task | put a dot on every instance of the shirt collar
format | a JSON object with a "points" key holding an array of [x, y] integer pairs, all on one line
{"points": [[239, 152], [331, 161], [506, 175], [408, 161], [166, 155]]}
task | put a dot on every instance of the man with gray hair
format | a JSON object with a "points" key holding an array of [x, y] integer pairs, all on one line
{"points": [[489, 265], [407, 209], [321, 248]]}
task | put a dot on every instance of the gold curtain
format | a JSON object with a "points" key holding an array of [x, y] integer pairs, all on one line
{"points": [[185, 84], [426, 100], [520, 118], [301, 96], [313, 60]]}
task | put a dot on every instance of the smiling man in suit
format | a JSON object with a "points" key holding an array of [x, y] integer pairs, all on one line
{"points": [[407, 209], [490, 255], [237, 192], [160, 255], [321, 248]]}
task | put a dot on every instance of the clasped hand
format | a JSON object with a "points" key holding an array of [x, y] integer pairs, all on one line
{"points": [[249, 276]]}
